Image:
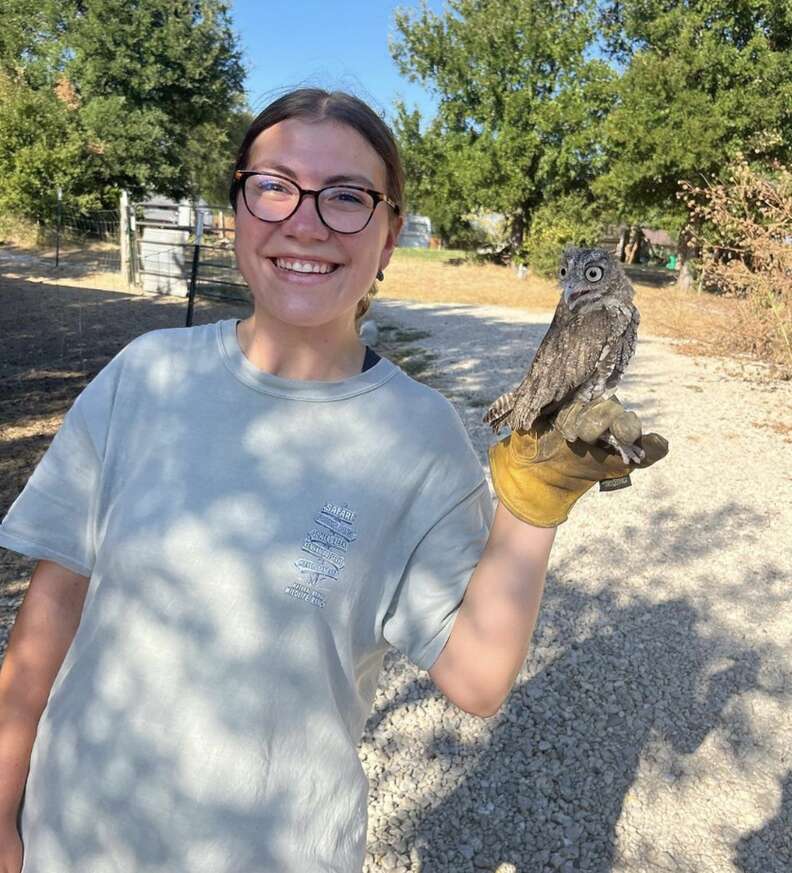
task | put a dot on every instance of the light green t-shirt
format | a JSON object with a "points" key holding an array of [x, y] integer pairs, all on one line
{"points": [[254, 544]]}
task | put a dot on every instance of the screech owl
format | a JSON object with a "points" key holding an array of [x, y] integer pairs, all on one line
{"points": [[586, 349]]}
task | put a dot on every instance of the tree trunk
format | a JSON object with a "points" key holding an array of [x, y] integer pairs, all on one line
{"points": [[620, 246], [686, 251], [685, 280], [633, 248], [516, 232]]}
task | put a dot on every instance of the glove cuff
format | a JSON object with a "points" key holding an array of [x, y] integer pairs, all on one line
{"points": [[537, 493]]}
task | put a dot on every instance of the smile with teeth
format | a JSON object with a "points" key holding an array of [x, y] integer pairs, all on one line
{"points": [[304, 266]]}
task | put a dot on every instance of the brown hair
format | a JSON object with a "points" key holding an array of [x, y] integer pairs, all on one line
{"points": [[316, 104]]}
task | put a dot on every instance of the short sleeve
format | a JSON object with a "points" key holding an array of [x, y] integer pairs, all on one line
{"points": [[422, 613], [54, 516]]}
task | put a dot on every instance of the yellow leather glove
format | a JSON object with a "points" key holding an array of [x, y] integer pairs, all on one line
{"points": [[539, 474]]}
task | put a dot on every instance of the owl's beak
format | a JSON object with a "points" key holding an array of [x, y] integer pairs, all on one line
{"points": [[571, 297]]}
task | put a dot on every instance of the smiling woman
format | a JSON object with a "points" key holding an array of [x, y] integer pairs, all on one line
{"points": [[233, 524]]}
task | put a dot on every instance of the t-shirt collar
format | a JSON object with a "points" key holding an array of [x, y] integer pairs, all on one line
{"points": [[296, 389]]}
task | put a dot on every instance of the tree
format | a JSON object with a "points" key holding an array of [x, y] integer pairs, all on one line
{"points": [[520, 106], [210, 156], [160, 76], [702, 83], [152, 88], [40, 150]]}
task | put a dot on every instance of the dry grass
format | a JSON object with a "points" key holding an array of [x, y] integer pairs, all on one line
{"points": [[411, 277], [703, 322]]}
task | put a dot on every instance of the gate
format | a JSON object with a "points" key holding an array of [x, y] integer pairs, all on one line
{"points": [[163, 250]]}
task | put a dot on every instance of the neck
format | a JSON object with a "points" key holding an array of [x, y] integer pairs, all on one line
{"points": [[326, 353]]}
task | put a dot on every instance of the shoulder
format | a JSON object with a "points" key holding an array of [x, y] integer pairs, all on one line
{"points": [[169, 340], [431, 429], [424, 404], [165, 355], [154, 361]]}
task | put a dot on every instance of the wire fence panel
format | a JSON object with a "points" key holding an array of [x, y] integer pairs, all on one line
{"points": [[164, 248], [148, 245], [84, 243]]}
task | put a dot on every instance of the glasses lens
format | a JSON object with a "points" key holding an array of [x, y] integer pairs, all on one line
{"points": [[346, 209], [269, 197]]}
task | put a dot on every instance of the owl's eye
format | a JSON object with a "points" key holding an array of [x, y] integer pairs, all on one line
{"points": [[562, 272], [594, 274]]}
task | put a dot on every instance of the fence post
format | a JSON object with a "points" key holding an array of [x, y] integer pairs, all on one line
{"points": [[123, 232], [58, 225], [199, 220], [134, 260]]}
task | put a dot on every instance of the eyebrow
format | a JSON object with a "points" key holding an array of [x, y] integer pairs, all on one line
{"points": [[330, 180]]}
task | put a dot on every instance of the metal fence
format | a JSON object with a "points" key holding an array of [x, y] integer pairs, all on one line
{"points": [[83, 243], [152, 246], [173, 247]]}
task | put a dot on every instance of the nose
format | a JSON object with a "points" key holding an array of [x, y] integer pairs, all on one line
{"points": [[305, 222]]}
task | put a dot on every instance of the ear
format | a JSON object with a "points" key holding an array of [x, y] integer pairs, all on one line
{"points": [[394, 229]]}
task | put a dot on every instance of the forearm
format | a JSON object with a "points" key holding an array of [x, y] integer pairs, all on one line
{"points": [[17, 734], [41, 636], [498, 615]]}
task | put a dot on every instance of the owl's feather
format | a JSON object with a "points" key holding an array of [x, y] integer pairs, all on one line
{"points": [[500, 410]]}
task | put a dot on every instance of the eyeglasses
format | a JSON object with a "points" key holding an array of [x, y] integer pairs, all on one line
{"points": [[342, 208]]}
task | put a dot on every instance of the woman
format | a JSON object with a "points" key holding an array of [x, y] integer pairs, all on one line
{"points": [[233, 524]]}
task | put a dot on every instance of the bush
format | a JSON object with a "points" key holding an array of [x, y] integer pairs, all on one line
{"points": [[19, 231], [568, 220], [462, 235], [744, 228], [40, 150]]}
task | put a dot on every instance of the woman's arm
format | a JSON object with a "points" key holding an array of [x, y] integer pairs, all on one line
{"points": [[41, 636], [538, 476], [495, 623]]}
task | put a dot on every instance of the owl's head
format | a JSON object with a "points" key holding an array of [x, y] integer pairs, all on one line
{"points": [[589, 275]]}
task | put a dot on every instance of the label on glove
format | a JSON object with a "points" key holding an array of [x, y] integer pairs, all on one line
{"points": [[615, 484]]}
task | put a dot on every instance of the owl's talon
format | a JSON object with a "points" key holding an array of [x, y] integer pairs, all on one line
{"points": [[629, 454], [632, 454]]}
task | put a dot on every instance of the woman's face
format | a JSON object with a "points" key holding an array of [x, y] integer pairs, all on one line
{"points": [[310, 154]]}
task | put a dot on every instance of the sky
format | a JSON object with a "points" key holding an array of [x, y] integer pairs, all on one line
{"points": [[326, 43]]}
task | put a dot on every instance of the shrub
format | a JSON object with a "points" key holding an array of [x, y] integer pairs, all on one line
{"points": [[567, 220], [744, 228]]}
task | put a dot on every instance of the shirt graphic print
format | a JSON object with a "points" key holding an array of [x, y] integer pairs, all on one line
{"points": [[328, 544]]}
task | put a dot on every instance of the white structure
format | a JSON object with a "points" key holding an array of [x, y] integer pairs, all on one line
{"points": [[416, 232], [165, 261]]}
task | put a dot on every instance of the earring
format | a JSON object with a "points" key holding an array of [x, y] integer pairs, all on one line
{"points": [[380, 275]]}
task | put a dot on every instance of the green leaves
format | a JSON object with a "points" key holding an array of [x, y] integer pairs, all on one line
{"points": [[612, 104], [137, 95], [520, 104], [39, 151], [703, 81]]}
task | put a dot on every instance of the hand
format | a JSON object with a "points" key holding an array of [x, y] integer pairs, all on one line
{"points": [[539, 474], [11, 848]]}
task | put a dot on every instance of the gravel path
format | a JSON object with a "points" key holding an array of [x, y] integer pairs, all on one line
{"points": [[650, 728]]}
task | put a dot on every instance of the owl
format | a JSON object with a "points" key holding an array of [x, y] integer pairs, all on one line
{"points": [[586, 348]]}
